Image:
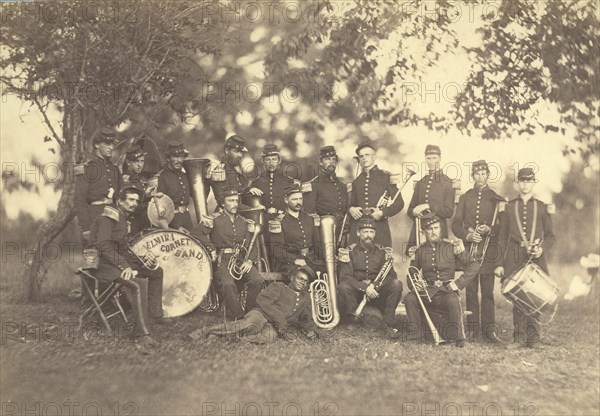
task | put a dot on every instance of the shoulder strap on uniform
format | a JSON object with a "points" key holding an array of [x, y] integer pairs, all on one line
{"points": [[111, 212]]}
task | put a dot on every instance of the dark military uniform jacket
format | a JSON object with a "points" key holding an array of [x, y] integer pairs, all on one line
{"points": [[139, 220], [226, 233], [367, 189], [438, 264], [109, 235], [299, 239], [273, 185], [328, 196], [477, 207], [175, 185], [92, 189], [436, 190], [233, 177], [364, 265], [283, 306], [518, 227]]}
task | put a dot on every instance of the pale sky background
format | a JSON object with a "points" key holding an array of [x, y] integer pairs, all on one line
{"points": [[22, 130]]}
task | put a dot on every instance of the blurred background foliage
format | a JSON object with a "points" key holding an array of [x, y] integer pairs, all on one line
{"points": [[306, 74]]}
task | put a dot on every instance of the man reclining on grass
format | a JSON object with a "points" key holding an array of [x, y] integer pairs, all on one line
{"points": [[280, 308]]}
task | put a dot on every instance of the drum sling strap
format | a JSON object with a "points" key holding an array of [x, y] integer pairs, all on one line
{"points": [[523, 236]]}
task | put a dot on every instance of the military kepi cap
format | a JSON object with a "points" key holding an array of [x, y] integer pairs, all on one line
{"points": [[432, 149], [176, 149], [130, 188], [230, 191], [270, 150], [134, 153], [307, 270], [366, 223], [526, 175], [292, 189], [327, 151], [363, 145], [236, 142], [429, 220], [105, 135], [480, 165]]}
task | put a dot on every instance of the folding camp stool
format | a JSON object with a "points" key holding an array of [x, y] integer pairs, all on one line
{"points": [[99, 300]]}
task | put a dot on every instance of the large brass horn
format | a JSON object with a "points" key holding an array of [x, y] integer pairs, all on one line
{"points": [[323, 294], [257, 214], [195, 170]]}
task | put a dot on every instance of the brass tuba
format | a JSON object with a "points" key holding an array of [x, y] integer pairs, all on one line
{"points": [[323, 295], [196, 169]]}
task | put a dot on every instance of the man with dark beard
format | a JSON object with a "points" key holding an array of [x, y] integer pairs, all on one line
{"points": [[295, 244], [357, 274], [326, 193], [229, 172], [173, 182]]}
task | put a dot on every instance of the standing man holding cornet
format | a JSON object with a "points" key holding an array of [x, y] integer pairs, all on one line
{"points": [[433, 193], [173, 182], [366, 271], [436, 260], [373, 196], [477, 222]]}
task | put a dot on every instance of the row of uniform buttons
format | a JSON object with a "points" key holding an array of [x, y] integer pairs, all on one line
{"points": [[427, 188], [434, 264], [183, 187]]}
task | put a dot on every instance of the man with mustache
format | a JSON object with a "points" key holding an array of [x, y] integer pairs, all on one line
{"points": [[279, 307], [97, 184], [295, 244], [326, 193], [437, 259], [229, 171], [109, 233], [356, 276], [228, 231], [173, 182], [132, 175]]}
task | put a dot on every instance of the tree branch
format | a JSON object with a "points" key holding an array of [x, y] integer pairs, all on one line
{"points": [[43, 111]]}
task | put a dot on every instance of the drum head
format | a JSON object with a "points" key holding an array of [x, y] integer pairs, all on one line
{"points": [[186, 265]]}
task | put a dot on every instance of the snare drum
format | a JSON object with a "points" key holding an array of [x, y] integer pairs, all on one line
{"points": [[187, 269], [531, 290]]}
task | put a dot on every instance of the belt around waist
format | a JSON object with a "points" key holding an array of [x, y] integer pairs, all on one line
{"points": [[227, 251], [105, 201], [435, 283], [181, 209]]}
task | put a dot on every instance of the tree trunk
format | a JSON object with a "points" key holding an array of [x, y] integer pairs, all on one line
{"points": [[75, 128]]}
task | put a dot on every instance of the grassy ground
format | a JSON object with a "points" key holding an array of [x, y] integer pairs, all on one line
{"points": [[46, 364]]}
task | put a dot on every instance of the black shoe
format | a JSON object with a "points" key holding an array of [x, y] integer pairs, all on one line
{"points": [[353, 322], [390, 333], [459, 343], [492, 339]]}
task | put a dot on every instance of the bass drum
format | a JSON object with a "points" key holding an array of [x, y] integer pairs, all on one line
{"points": [[187, 269]]}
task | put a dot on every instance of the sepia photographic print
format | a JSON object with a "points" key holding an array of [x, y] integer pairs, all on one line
{"points": [[300, 207]]}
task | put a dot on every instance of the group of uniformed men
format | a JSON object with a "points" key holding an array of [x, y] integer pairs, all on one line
{"points": [[108, 202]]}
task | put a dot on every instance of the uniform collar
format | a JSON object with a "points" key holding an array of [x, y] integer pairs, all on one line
{"points": [[375, 168], [365, 248], [483, 188], [287, 212], [521, 198], [101, 159], [173, 170]]}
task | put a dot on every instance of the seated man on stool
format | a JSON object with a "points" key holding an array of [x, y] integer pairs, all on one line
{"points": [[280, 305], [109, 235], [357, 273], [437, 259]]}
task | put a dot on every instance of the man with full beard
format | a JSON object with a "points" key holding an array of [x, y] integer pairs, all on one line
{"points": [[173, 182], [356, 276]]}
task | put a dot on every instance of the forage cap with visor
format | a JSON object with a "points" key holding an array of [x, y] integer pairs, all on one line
{"points": [[105, 135], [236, 142], [327, 151], [128, 189], [428, 220], [366, 223], [230, 191], [176, 149], [134, 153], [432, 149], [292, 189], [364, 145], [479, 165], [304, 269], [526, 175], [270, 150]]}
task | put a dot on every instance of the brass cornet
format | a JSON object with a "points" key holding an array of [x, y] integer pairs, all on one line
{"points": [[419, 285]]}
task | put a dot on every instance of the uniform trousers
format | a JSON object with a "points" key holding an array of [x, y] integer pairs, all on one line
{"points": [[387, 302], [445, 301]]}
